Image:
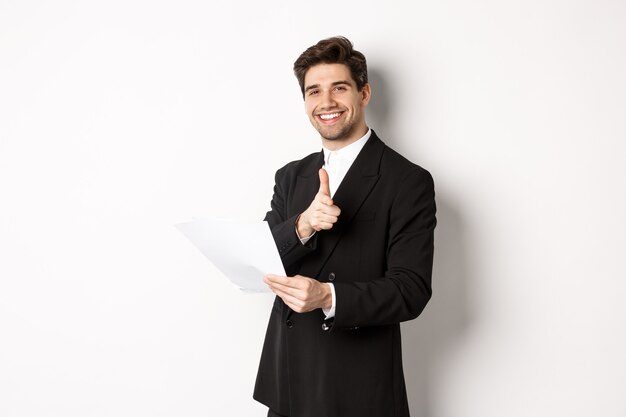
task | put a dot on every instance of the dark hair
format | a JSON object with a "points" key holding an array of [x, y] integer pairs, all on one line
{"points": [[336, 50]]}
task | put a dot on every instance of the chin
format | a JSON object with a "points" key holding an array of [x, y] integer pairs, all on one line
{"points": [[332, 136]]}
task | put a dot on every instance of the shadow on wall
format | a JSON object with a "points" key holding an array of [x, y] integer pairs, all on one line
{"points": [[379, 108], [439, 330], [427, 340]]}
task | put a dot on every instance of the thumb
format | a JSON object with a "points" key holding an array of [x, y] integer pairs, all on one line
{"points": [[324, 187]]}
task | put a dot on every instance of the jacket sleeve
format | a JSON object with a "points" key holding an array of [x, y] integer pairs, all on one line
{"points": [[284, 228], [402, 293]]}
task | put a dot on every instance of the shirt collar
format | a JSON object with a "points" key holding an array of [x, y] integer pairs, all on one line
{"points": [[349, 152]]}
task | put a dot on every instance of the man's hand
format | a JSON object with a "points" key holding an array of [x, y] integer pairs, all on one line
{"points": [[301, 294], [322, 213]]}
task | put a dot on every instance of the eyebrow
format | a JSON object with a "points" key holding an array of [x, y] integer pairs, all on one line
{"points": [[343, 82]]}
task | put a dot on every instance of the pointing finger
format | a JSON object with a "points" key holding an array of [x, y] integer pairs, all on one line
{"points": [[324, 186]]}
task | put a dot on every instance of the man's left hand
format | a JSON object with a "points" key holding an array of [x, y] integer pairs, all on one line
{"points": [[301, 294]]}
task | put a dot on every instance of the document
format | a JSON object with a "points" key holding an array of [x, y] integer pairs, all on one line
{"points": [[244, 251]]}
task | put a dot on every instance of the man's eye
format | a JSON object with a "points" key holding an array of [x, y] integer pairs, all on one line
{"points": [[312, 92], [340, 88]]}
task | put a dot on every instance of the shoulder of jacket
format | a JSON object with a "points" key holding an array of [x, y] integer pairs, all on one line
{"points": [[295, 167], [400, 165]]}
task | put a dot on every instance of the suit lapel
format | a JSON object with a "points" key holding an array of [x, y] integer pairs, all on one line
{"points": [[359, 180], [307, 186], [349, 197]]}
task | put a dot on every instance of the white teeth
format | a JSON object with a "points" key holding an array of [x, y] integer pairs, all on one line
{"points": [[329, 116]]}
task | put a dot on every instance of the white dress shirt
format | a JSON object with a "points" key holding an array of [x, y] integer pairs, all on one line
{"points": [[337, 163]]}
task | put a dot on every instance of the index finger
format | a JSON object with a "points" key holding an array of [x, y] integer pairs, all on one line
{"points": [[286, 281]]}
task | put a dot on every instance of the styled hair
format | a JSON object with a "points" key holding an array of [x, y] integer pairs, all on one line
{"points": [[335, 50]]}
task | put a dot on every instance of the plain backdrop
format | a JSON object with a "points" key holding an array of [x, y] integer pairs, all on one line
{"points": [[119, 119]]}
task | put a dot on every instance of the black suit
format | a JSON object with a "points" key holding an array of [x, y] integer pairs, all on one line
{"points": [[379, 257]]}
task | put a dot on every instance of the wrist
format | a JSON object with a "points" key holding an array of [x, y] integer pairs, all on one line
{"points": [[328, 297], [303, 228]]}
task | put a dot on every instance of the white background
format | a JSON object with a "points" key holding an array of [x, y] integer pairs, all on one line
{"points": [[119, 119]]}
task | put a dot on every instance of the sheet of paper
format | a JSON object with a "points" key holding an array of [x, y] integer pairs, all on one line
{"points": [[243, 251]]}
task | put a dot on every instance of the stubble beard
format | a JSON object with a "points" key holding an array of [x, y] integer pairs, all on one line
{"points": [[334, 134]]}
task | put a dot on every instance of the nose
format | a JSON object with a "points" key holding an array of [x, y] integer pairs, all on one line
{"points": [[327, 100]]}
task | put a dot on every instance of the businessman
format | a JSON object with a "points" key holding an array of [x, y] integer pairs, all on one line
{"points": [[354, 228]]}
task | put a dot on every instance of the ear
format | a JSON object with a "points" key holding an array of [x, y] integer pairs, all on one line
{"points": [[366, 94]]}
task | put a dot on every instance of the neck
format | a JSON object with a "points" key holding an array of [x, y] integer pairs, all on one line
{"points": [[336, 144]]}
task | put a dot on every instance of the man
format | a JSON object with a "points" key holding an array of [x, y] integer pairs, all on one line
{"points": [[354, 227]]}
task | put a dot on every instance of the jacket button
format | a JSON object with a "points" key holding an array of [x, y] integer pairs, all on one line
{"points": [[289, 324], [331, 276], [325, 327]]}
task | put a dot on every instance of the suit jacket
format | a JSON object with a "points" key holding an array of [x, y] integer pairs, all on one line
{"points": [[379, 257]]}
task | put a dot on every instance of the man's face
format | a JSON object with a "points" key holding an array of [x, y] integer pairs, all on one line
{"points": [[334, 104]]}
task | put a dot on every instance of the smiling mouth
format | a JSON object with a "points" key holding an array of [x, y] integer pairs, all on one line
{"points": [[329, 117]]}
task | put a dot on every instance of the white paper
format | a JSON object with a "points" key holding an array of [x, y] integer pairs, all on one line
{"points": [[244, 251]]}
